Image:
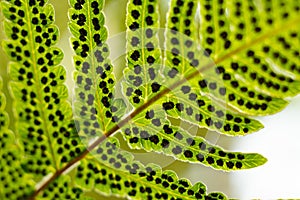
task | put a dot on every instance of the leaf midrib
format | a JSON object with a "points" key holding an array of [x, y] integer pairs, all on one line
{"points": [[98, 97], [123, 122], [37, 81], [143, 49]]}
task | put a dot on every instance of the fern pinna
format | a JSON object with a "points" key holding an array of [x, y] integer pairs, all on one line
{"points": [[239, 59]]}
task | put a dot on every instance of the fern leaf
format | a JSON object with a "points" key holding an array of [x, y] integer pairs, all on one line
{"points": [[213, 81], [149, 129], [282, 49], [142, 75], [238, 41], [116, 173], [14, 182], [95, 110], [285, 53], [87, 165], [43, 116], [187, 103], [158, 134], [61, 188], [181, 39], [182, 59]]}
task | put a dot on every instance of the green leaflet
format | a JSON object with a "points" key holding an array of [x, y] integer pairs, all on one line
{"points": [[183, 58], [116, 173], [239, 95], [153, 132], [186, 102], [95, 111], [142, 77], [43, 116], [283, 50], [254, 84], [61, 188], [182, 54], [10, 155], [88, 171]]}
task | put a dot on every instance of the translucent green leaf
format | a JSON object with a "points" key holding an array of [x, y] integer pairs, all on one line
{"points": [[14, 182], [61, 188], [241, 96], [43, 115], [281, 42], [115, 172], [152, 131], [95, 110], [179, 94], [186, 102], [142, 77], [250, 44], [183, 59], [215, 195], [181, 62], [182, 54]]}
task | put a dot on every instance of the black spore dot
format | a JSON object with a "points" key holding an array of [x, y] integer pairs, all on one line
{"points": [[135, 41], [135, 55], [155, 87], [137, 2], [149, 20], [168, 105], [135, 14], [173, 72]]}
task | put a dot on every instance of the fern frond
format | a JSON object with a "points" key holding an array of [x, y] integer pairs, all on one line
{"points": [[284, 48], [143, 57], [14, 182], [239, 43], [183, 58], [242, 76], [88, 176], [43, 115], [115, 172], [149, 127], [181, 38], [95, 110], [153, 132], [186, 59], [188, 103]]}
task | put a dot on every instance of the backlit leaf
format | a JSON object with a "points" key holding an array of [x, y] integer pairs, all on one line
{"points": [[116, 173], [43, 116], [95, 110], [14, 182]]}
